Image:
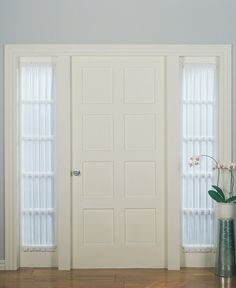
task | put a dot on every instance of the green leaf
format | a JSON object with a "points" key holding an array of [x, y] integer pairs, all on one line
{"points": [[216, 196], [219, 191], [231, 199]]}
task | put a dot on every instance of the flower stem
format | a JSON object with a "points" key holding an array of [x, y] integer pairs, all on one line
{"points": [[213, 159], [231, 184]]}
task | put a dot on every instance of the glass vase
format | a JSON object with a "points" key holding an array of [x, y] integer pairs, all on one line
{"points": [[225, 251]]}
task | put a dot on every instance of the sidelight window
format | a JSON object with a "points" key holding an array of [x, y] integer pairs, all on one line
{"points": [[36, 163], [199, 90]]}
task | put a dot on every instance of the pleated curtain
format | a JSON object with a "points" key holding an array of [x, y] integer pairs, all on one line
{"points": [[37, 146], [199, 92]]}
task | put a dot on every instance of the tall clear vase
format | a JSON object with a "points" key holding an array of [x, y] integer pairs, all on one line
{"points": [[225, 251]]}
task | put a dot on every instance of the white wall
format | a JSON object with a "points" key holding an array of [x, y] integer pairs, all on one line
{"points": [[112, 21]]}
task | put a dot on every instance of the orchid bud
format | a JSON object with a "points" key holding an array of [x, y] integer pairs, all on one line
{"points": [[232, 166]]}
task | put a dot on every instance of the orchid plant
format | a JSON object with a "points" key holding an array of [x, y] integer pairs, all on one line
{"points": [[217, 193]]}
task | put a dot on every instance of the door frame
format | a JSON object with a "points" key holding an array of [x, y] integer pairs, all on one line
{"points": [[173, 128]]}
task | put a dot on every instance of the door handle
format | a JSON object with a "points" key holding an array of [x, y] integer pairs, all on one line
{"points": [[75, 172]]}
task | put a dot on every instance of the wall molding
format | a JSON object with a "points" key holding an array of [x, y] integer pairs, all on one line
{"points": [[174, 52], [117, 49]]}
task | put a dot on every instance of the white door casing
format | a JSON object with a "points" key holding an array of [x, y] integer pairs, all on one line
{"points": [[173, 54], [119, 146]]}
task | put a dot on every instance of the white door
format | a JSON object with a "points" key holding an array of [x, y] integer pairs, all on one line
{"points": [[118, 144]]}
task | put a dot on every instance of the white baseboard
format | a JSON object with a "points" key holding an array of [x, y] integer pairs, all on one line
{"points": [[2, 264], [198, 259]]}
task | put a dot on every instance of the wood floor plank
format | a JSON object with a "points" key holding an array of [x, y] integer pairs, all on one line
{"points": [[114, 278]]}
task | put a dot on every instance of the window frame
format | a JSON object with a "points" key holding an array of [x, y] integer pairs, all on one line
{"points": [[196, 248]]}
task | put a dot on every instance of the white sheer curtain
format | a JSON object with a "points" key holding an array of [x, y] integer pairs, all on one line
{"points": [[36, 110], [199, 135]]}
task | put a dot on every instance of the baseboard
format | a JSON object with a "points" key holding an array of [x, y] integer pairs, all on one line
{"points": [[198, 259], [2, 264]]}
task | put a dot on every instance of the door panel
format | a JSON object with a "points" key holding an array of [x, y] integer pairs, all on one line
{"points": [[118, 144]]}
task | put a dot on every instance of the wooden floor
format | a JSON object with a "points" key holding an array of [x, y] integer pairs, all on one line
{"points": [[114, 278]]}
